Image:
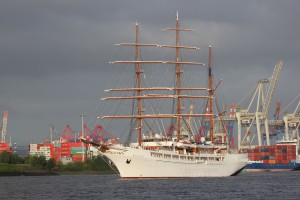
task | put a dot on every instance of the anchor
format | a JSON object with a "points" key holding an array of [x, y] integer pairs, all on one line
{"points": [[128, 161]]}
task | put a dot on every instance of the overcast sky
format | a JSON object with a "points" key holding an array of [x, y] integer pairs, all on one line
{"points": [[54, 54]]}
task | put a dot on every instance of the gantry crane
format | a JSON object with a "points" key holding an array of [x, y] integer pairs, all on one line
{"points": [[247, 118], [4, 123], [292, 122]]}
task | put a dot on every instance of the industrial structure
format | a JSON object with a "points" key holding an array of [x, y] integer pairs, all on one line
{"points": [[67, 147], [257, 114], [254, 121], [4, 146]]}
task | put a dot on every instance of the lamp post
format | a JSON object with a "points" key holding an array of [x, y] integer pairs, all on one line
{"points": [[82, 131]]}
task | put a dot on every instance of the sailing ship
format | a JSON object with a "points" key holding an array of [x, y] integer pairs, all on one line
{"points": [[177, 153]]}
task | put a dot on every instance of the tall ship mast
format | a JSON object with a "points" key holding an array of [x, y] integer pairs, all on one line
{"points": [[177, 154]]}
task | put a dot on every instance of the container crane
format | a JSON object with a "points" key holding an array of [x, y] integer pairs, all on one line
{"points": [[276, 124], [247, 119], [270, 94], [4, 124], [67, 135], [54, 134], [292, 122]]}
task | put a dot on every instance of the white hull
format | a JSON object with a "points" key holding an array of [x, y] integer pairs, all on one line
{"points": [[140, 163]]}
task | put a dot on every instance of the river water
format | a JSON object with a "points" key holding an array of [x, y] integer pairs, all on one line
{"points": [[279, 185]]}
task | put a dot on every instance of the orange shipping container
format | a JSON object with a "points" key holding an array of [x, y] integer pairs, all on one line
{"points": [[77, 156], [272, 161]]}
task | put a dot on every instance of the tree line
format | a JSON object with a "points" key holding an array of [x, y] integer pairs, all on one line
{"points": [[94, 164]]}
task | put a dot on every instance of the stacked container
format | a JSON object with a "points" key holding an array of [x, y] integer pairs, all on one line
{"points": [[66, 150], [274, 154], [78, 152], [4, 147]]}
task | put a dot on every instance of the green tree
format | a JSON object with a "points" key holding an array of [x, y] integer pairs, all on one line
{"points": [[51, 164], [38, 161], [7, 157], [42, 162], [100, 163], [76, 166]]}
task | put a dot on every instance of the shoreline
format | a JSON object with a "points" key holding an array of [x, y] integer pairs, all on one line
{"points": [[55, 173]]}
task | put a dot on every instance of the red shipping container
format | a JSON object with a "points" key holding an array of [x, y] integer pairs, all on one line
{"points": [[65, 144], [279, 154], [265, 153], [4, 145], [77, 144], [293, 157], [291, 153], [285, 161], [278, 157], [279, 161]]}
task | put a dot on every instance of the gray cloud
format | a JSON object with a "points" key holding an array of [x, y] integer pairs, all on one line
{"points": [[54, 54]]}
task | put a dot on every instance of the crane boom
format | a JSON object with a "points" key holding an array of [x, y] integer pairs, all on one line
{"points": [[271, 88]]}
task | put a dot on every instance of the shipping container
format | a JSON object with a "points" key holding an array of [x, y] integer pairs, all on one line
{"points": [[77, 144], [76, 148], [65, 144], [265, 157], [291, 157], [291, 153], [264, 153], [285, 161], [3, 144], [57, 145], [278, 157], [78, 152], [272, 161], [293, 161]]}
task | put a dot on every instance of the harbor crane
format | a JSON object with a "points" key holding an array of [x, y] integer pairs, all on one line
{"points": [[247, 117], [4, 124], [292, 122], [276, 124]]}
